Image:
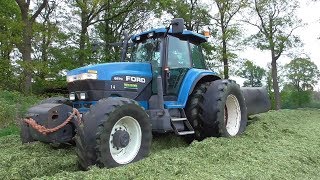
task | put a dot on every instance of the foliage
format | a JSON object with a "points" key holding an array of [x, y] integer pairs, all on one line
{"points": [[118, 18], [10, 27], [13, 106], [276, 145], [195, 13], [293, 98], [302, 73], [253, 73]]}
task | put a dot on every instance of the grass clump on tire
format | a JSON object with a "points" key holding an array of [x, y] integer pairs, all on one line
{"points": [[217, 109], [115, 131]]}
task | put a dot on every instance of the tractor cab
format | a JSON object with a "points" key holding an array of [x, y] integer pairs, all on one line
{"points": [[171, 55]]}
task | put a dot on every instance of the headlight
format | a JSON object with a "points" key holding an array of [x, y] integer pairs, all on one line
{"points": [[83, 76], [72, 96]]}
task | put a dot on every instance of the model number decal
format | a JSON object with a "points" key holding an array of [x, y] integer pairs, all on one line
{"points": [[117, 78]]}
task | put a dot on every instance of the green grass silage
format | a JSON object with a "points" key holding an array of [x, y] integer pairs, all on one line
{"points": [[276, 145]]}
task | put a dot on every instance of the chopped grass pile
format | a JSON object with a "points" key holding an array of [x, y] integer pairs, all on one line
{"points": [[276, 145]]}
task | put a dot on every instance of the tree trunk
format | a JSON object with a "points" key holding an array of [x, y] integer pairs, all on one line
{"points": [[82, 46], [224, 55], [82, 43], [251, 78], [26, 50], [224, 46], [275, 83]]}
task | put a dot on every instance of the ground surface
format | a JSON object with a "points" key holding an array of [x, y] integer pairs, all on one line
{"points": [[276, 145]]}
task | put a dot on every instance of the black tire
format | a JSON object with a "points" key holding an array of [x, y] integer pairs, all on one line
{"points": [[218, 112], [25, 134], [193, 112], [92, 138]]}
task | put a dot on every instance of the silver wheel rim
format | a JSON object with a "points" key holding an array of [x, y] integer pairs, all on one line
{"points": [[127, 154], [232, 115]]}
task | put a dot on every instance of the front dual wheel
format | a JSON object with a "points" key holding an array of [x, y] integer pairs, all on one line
{"points": [[116, 131]]}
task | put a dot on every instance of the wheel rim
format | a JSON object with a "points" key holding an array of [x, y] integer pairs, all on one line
{"points": [[124, 155], [232, 115]]}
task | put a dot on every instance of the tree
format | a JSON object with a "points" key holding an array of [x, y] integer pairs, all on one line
{"points": [[89, 11], [10, 28], [302, 73], [227, 9], [254, 74], [27, 33], [47, 36], [276, 23], [120, 17], [195, 14]]}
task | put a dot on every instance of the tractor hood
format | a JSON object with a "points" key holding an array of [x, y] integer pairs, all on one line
{"points": [[109, 71]]}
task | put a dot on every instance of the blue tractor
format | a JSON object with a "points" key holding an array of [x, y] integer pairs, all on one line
{"points": [[163, 87]]}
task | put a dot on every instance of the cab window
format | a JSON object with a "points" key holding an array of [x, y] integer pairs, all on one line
{"points": [[178, 53], [197, 57], [179, 63]]}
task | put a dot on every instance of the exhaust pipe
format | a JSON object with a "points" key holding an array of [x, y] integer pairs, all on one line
{"points": [[257, 100]]}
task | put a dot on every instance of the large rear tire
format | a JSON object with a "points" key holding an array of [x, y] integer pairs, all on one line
{"points": [[193, 112], [224, 109], [116, 131]]}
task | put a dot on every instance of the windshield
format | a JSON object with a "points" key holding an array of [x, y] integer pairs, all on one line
{"points": [[146, 51]]}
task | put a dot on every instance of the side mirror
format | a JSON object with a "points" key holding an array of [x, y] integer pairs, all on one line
{"points": [[177, 25]]}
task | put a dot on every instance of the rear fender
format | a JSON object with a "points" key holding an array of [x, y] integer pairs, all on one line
{"points": [[192, 78]]}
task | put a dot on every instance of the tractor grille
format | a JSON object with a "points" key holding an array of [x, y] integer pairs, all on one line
{"points": [[85, 85]]}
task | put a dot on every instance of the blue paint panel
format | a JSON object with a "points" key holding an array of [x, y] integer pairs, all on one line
{"points": [[144, 104], [185, 89], [107, 70], [187, 33], [80, 105]]}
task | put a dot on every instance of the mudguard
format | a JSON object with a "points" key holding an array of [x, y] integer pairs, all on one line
{"points": [[190, 80]]}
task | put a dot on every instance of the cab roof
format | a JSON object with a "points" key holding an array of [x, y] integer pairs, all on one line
{"points": [[186, 35]]}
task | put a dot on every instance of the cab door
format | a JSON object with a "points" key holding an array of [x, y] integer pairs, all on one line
{"points": [[178, 64]]}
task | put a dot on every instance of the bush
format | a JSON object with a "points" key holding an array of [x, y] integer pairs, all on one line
{"points": [[295, 99], [13, 106]]}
